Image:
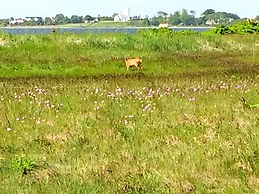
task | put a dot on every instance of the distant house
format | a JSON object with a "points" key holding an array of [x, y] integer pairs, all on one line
{"points": [[211, 22], [88, 21], [121, 18], [33, 18], [216, 22], [17, 21], [21, 21], [92, 20], [163, 25]]}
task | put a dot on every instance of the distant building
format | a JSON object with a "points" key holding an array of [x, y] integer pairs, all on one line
{"points": [[21, 21], [163, 25], [17, 21], [126, 12], [93, 20], [216, 22], [211, 22], [123, 17], [33, 18]]}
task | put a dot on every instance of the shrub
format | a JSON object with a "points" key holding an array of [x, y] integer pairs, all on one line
{"points": [[239, 28]]}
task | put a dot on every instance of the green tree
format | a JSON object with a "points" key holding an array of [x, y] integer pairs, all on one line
{"points": [[162, 14], [105, 18], [88, 18], [48, 21], [145, 22], [39, 21], [232, 16], [155, 21], [4, 22], [65, 20], [221, 17], [59, 18], [200, 21], [76, 19], [207, 12], [186, 19], [174, 19]]}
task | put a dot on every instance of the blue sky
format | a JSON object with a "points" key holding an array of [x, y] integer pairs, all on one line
{"points": [[43, 8]]}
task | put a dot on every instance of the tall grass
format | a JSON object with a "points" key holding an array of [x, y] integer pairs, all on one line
{"points": [[167, 135], [83, 54], [74, 120]]}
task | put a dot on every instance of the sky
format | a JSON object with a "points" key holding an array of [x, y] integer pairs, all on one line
{"points": [[49, 8]]}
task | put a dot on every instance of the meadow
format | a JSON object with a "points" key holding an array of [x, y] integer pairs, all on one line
{"points": [[74, 120]]}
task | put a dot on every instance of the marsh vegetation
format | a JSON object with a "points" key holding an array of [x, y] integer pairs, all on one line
{"points": [[74, 120]]}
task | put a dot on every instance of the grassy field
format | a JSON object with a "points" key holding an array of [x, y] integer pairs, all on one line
{"points": [[74, 120]]}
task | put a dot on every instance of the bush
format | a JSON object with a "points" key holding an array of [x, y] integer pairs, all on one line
{"points": [[239, 28]]}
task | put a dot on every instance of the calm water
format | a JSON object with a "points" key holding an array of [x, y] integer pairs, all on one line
{"points": [[24, 30]]}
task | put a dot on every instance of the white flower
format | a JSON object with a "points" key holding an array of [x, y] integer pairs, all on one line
{"points": [[8, 129], [191, 99]]}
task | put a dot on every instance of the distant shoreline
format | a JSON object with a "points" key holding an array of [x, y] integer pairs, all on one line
{"points": [[21, 27], [78, 26], [91, 29]]}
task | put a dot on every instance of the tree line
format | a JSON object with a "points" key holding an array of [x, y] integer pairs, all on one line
{"points": [[188, 18], [39, 21], [178, 18]]}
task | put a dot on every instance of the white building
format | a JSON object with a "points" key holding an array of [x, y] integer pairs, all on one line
{"points": [[17, 21], [163, 25], [126, 12], [123, 17]]}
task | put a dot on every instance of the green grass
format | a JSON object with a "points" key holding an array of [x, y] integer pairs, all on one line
{"points": [[74, 120], [91, 54], [129, 135]]}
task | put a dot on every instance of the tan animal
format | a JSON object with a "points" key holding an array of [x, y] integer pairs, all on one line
{"points": [[133, 62]]}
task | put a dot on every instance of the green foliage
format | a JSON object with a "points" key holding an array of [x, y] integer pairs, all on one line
{"points": [[222, 29], [245, 28], [222, 17], [248, 105], [88, 54], [239, 28], [208, 12], [23, 165], [174, 19], [156, 32], [165, 32], [157, 20], [182, 18], [187, 32], [186, 18], [76, 19]]}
